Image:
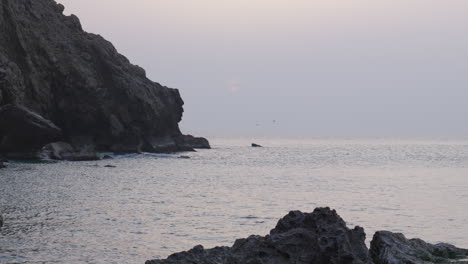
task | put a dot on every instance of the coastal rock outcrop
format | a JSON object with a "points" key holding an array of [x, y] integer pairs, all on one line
{"points": [[65, 151], [320, 237], [23, 133], [77, 83], [394, 248]]}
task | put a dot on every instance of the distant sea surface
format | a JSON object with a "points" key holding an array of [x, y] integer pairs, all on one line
{"points": [[152, 205]]}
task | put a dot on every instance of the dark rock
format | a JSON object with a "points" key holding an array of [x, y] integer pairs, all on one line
{"points": [[65, 151], [163, 145], [256, 145], [110, 166], [105, 157], [394, 248], [189, 141], [79, 81], [184, 157], [1, 221], [320, 237], [23, 132], [2, 165]]}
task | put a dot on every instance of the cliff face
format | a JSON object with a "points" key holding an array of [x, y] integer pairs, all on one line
{"points": [[78, 80]]}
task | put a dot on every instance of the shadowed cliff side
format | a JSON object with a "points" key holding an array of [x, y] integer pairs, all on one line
{"points": [[79, 82]]}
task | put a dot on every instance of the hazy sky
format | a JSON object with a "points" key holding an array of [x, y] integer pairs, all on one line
{"points": [[316, 67]]}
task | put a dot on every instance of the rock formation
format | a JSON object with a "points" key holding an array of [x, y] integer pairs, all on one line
{"points": [[394, 248], [77, 81], [23, 132], [320, 237]]}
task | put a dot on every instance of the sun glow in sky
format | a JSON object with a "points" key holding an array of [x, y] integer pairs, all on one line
{"points": [[329, 67]]}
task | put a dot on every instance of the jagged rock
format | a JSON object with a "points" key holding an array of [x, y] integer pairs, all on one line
{"points": [[320, 237], [65, 151], [80, 82], [394, 248], [256, 145], [24, 132]]}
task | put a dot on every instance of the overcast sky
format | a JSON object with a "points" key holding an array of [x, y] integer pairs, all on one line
{"points": [[299, 67]]}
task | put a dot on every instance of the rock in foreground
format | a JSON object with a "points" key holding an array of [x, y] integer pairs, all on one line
{"points": [[320, 237], [394, 248]]}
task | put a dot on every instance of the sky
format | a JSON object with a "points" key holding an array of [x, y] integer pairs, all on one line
{"points": [[298, 68]]}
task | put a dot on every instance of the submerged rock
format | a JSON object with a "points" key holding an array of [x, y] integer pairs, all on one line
{"points": [[78, 81], [256, 145], [394, 248], [320, 237], [23, 132]]}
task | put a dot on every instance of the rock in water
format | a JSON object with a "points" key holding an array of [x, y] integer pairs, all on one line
{"points": [[394, 248], [256, 145], [22, 131], [79, 81], [320, 237]]}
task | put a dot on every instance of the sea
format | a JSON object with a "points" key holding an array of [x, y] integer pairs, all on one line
{"points": [[145, 206]]}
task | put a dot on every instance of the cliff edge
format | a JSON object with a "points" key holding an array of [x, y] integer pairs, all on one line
{"points": [[50, 69]]}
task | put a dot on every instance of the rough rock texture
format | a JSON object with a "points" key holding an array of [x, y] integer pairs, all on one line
{"points": [[320, 237], [79, 81], [394, 248], [64, 151], [22, 131]]}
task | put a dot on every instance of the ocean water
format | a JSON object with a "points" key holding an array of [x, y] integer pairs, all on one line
{"points": [[150, 206]]}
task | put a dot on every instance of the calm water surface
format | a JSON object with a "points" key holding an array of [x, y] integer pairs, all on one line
{"points": [[152, 205]]}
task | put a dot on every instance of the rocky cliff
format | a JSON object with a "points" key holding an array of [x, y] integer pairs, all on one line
{"points": [[81, 84]]}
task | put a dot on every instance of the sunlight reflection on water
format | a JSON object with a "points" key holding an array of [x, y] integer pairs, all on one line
{"points": [[152, 205]]}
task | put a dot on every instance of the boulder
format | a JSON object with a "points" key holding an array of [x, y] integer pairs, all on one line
{"points": [[256, 145], [2, 165], [23, 132], [394, 248], [320, 237]]}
